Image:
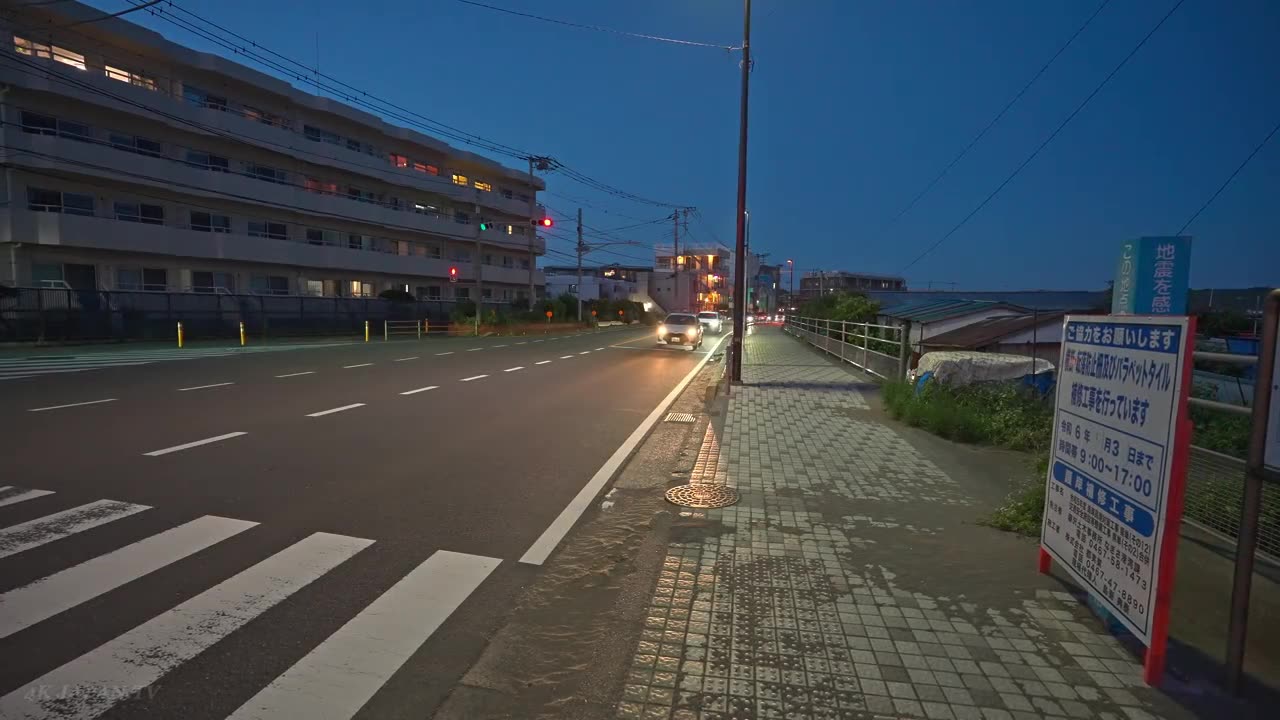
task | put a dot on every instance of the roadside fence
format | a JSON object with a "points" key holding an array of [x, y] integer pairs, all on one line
{"points": [[878, 349]]}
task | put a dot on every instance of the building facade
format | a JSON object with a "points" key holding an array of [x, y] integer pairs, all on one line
{"points": [[610, 282], [134, 163], [696, 278], [820, 282]]}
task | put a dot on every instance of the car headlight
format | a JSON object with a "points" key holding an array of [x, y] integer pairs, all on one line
{"points": [[662, 329], [692, 332]]}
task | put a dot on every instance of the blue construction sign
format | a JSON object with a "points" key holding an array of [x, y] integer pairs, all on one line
{"points": [[1151, 276]]}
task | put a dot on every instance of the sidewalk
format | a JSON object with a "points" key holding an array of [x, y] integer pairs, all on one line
{"points": [[852, 581]]}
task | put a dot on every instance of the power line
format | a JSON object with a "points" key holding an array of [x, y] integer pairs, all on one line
{"points": [[982, 133], [135, 8], [1047, 140], [1231, 177], [599, 28]]}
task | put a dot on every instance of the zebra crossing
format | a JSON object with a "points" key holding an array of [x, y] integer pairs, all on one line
{"points": [[335, 679], [18, 368]]}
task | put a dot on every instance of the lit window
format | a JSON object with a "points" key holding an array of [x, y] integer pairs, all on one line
{"points": [[425, 168], [460, 180], [319, 186], [132, 78], [484, 186], [66, 57], [23, 46], [399, 160]]}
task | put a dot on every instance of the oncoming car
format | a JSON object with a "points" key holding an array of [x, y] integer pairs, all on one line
{"points": [[681, 329], [710, 320]]}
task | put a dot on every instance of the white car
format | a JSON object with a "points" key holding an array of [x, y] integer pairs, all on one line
{"points": [[710, 321]]}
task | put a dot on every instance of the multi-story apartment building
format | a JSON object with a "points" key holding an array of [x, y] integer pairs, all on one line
{"points": [[818, 282], [696, 278], [134, 163]]}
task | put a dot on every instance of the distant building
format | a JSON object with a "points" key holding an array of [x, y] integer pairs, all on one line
{"points": [[609, 282], [935, 317], [1038, 334], [1094, 300], [696, 278], [822, 282]]}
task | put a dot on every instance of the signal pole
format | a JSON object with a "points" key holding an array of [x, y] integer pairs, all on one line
{"points": [[739, 260], [533, 237], [675, 256], [581, 248]]}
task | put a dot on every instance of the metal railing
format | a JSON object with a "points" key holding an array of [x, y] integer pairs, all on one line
{"points": [[403, 328], [877, 349]]}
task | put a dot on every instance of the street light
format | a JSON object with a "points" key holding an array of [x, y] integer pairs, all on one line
{"points": [[740, 242], [791, 267]]}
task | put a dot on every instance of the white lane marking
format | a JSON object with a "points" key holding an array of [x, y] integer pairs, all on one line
{"points": [[542, 362], [475, 349], [34, 533], [339, 676], [473, 377], [10, 495], [537, 341], [48, 596], [146, 653], [566, 357], [308, 372], [518, 367], [348, 367], [59, 407], [204, 387], [584, 352], [599, 349], [421, 389], [502, 345], [555, 532], [331, 411], [415, 357], [444, 353], [523, 342], [197, 443]]}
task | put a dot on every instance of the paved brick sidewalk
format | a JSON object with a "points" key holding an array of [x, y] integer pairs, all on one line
{"points": [[851, 581]]}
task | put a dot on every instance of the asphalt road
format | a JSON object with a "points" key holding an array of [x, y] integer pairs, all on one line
{"points": [[339, 545]]}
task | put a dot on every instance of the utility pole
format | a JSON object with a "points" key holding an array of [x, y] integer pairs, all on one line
{"points": [[581, 248], [739, 260], [675, 256], [533, 232]]}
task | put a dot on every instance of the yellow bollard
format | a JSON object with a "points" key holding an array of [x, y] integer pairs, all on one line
{"points": [[366, 331], [179, 334], [241, 333]]}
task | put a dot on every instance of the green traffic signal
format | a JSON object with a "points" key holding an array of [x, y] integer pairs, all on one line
{"points": [[484, 226]]}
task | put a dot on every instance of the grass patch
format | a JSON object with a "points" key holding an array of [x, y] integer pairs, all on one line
{"points": [[1002, 415]]}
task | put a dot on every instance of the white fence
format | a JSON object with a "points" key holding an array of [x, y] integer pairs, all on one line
{"points": [[876, 349]]}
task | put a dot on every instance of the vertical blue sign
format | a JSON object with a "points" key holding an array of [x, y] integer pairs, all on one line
{"points": [[1151, 276]]}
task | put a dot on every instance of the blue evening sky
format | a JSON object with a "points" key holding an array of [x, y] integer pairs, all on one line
{"points": [[855, 106]]}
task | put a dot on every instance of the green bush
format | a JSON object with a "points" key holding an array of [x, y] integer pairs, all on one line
{"points": [[1216, 430]]}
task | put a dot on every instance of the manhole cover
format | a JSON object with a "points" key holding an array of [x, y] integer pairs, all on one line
{"points": [[681, 417], [702, 496]]}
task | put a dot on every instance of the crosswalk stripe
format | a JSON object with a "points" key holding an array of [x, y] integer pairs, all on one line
{"points": [[40, 531], [146, 653], [339, 676], [10, 495], [61, 591]]}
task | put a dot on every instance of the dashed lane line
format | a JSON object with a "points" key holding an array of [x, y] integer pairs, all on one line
{"points": [[415, 357], [289, 375], [331, 411], [205, 387], [197, 443], [348, 367], [473, 377], [518, 367], [542, 362], [421, 389], [69, 405]]}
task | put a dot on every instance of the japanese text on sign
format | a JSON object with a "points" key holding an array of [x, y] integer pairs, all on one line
{"points": [[1118, 395]]}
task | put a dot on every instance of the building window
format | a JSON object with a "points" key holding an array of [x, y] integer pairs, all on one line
{"points": [[462, 293], [140, 145], [506, 193], [320, 186], [59, 202], [315, 236], [524, 263], [361, 289], [264, 117], [425, 168], [460, 180], [487, 259], [128, 279], [208, 161], [461, 218], [23, 46], [356, 193], [319, 135], [487, 293], [200, 98], [484, 186], [433, 251], [66, 57], [268, 173], [210, 282], [268, 229], [508, 261], [358, 242], [210, 222], [74, 131], [155, 279], [269, 284], [37, 124], [433, 292], [399, 160], [140, 212], [130, 77]]}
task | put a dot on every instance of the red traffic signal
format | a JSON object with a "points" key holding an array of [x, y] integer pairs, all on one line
{"points": [[453, 274], [544, 222]]}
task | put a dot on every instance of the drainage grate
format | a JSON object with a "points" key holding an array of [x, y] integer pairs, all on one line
{"points": [[681, 417], [702, 496]]}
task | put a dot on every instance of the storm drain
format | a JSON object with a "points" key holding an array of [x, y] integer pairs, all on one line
{"points": [[702, 496], [681, 417]]}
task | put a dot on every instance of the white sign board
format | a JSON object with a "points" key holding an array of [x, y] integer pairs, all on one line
{"points": [[1111, 470]]}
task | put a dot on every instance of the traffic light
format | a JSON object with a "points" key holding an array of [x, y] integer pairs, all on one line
{"points": [[484, 225], [544, 222], [453, 274]]}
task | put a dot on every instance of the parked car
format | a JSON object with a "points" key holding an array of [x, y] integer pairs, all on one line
{"points": [[681, 329]]}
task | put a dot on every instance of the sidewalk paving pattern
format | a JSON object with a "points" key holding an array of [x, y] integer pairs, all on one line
{"points": [[807, 599]]}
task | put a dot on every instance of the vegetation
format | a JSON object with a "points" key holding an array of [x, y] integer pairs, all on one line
{"points": [[1003, 415], [396, 295], [852, 307], [1218, 431]]}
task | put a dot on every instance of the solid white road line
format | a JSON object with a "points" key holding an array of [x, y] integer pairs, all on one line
{"points": [[415, 357], [34, 533], [10, 495], [308, 372], [331, 411], [146, 653], [444, 353], [203, 387], [551, 537], [348, 367], [542, 362], [197, 443], [518, 367], [473, 377], [46, 597], [339, 676], [421, 389], [566, 357], [59, 407]]}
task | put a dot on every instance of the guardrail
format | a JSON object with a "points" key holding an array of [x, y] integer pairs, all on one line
{"points": [[877, 349], [403, 327]]}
